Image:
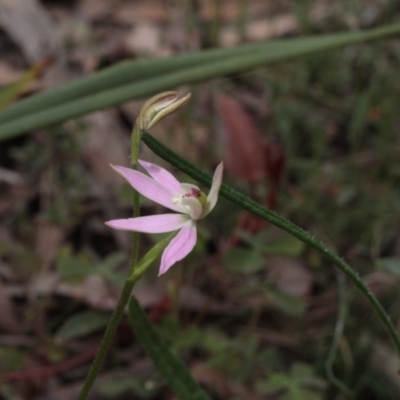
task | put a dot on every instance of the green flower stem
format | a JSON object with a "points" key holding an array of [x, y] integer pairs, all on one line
{"points": [[275, 219], [135, 272], [135, 147], [133, 277], [107, 338]]}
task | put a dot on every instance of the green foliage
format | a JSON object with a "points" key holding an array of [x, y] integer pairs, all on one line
{"points": [[300, 384], [173, 370], [331, 112], [116, 386], [238, 357], [265, 243], [272, 241], [75, 267], [57, 161], [159, 75], [82, 324], [243, 260], [391, 265], [11, 359], [262, 212], [24, 261], [289, 305]]}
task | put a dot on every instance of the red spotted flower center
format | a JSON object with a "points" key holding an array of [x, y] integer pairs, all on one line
{"points": [[189, 191]]}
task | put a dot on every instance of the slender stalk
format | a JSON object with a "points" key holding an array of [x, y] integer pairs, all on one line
{"points": [[140, 269], [275, 219], [133, 276], [107, 338], [135, 147]]}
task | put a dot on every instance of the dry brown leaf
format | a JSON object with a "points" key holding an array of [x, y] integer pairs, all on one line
{"points": [[29, 24], [7, 197], [212, 379], [380, 282], [106, 144], [244, 155], [6, 204], [142, 369], [93, 9], [385, 362], [139, 11], [8, 320], [8, 74], [222, 384], [266, 27], [145, 38], [148, 295], [93, 291], [278, 338], [49, 238], [229, 11], [290, 276], [193, 299]]}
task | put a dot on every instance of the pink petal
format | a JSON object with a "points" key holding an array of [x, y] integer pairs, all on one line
{"points": [[147, 186], [213, 193], [162, 176], [179, 247], [150, 224]]}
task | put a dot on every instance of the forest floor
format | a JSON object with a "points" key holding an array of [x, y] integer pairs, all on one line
{"points": [[252, 311]]}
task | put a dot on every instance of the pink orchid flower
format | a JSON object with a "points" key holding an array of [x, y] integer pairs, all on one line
{"points": [[187, 199]]}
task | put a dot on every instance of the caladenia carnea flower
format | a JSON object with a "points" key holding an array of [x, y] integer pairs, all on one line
{"points": [[158, 107], [187, 199]]}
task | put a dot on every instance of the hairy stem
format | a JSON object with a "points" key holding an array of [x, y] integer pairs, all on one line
{"points": [[107, 338], [250, 205], [128, 286], [140, 269], [135, 147]]}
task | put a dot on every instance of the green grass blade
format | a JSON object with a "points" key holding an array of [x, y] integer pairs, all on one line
{"points": [[264, 213], [279, 51], [173, 370], [123, 73]]}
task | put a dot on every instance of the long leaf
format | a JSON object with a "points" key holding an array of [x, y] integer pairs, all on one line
{"points": [[120, 74], [262, 212], [281, 50], [173, 370]]}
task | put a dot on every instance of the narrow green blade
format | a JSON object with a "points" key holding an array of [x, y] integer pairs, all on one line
{"points": [[276, 51], [173, 370], [120, 74]]}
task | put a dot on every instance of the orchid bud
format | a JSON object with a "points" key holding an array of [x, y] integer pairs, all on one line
{"points": [[158, 107]]}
